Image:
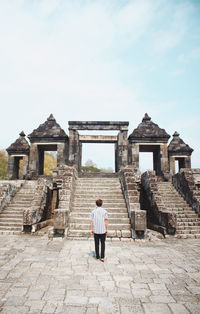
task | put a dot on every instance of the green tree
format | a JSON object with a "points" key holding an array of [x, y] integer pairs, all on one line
{"points": [[90, 166], [49, 163], [3, 164]]}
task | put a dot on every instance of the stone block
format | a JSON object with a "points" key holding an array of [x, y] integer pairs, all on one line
{"points": [[131, 186], [60, 218], [134, 199], [134, 206], [138, 220], [126, 233]]}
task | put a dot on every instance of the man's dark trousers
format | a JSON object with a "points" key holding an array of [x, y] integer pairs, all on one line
{"points": [[102, 238]]}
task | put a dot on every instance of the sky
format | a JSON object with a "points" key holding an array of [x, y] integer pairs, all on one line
{"points": [[100, 60]]}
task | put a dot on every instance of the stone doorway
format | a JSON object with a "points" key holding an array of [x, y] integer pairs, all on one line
{"points": [[102, 155], [155, 150], [120, 141], [42, 149]]}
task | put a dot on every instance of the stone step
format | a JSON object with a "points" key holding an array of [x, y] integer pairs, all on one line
{"points": [[179, 219], [12, 211], [11, 219], [100, 183], [16, 206], [172, 200], [11, 215], [93, 205], [11, 228], [85, 226], [11, 223], [86, 220], [24, 191], [23, 199], [185, 208], [97, 180], [188, 236], [188, 231], [111, 234], [174, 206], [92, 191], [186, 215], [110, 210], [189, 224], [10, 232], [95, 196], [86, 191], [87, 214]]}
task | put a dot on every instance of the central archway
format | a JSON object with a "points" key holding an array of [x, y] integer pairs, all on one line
{"points": [[120, 141]]}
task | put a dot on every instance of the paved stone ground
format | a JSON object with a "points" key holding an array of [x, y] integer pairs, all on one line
{"points": [[39, 275]]}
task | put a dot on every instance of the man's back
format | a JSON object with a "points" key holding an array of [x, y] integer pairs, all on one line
{"points": [[98, 216]]}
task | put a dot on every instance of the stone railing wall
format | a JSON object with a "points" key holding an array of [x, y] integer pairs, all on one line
{"points": [[64, 180], [158, 219], [130, 179], [187, 183], [33, 215], [7, 191]]}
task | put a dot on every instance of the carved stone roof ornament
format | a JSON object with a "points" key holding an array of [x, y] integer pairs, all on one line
{"points": [[50, 130], [148, 131], [177, 145], [20, 146]]}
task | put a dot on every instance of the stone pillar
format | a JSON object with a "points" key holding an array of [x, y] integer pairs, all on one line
{"points": [[33, 160], [61, 154], [172, 165], [73, 147], [164, 158], [122, 149], [80, 157], [157, 161], [40, 161], [116, 158], [188, 162], [25, 166], [11, 166], [134, 154]]}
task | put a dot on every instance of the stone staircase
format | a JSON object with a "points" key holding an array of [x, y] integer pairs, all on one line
{"points": [[87, 190], [11, 218], [188, 223]]}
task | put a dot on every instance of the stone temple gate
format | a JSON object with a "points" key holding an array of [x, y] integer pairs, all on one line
{"points": [[120, 141], [49, 136], [161, 199]]}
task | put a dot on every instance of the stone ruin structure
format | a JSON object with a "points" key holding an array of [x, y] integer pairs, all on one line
{"points": [[135, 201], [49, 136]]}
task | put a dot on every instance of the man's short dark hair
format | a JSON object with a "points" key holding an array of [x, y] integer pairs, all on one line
{"points": [[99, 202]]}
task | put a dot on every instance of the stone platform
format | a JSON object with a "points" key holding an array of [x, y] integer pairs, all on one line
{"points": [[40, 275]]}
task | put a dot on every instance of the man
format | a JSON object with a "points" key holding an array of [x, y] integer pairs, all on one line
{"points": [[99, 227]]}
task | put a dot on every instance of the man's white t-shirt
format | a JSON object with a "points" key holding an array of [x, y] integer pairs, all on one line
{"points": [[98, 216]]}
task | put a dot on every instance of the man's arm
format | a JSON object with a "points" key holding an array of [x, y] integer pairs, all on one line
{"points": [[91, 226], [106, 223]]}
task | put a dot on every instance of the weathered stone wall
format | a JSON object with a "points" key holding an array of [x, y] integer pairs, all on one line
{"points": [[7, 191], [64, 179], [187, 182], [157, 218], [34, 214], [130, 181]]}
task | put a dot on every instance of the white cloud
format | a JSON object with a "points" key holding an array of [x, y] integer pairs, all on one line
{"points": [[174, 28], [134, 19], [77, 59], [177, 72], [192, 55], [46, 7]]}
